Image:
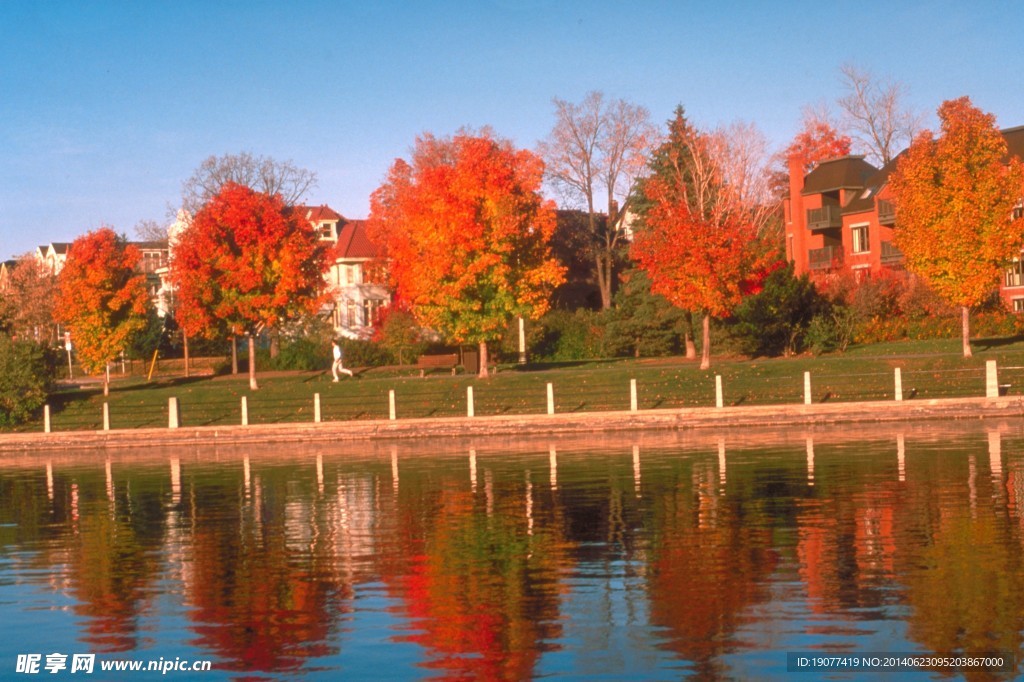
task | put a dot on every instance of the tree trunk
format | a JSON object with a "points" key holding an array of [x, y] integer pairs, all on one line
{"points": [[483, 361], [184, 338], [705, 351], [106, 381], [234, 355], [275, 344], [966, 330], [604, 284], [253, 386], [691, 347]]}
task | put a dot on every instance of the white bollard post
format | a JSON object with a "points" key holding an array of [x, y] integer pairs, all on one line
{"points": [[469, 401], [632, 396], [391, 405], [991, 379], [172, 413], [719, 401], [106, 416], [245, 411], [316, 408], [807, 388], [46, 418], [899, 385], [551, 399]]}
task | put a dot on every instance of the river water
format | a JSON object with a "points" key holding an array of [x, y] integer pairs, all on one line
{"points": [[711, 555]]}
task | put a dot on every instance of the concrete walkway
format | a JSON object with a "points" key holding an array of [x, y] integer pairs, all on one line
{"points": [[591, 422]]}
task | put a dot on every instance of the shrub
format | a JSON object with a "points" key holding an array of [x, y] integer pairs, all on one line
{"points": [[774, 321], [643, 324], [571, 336], [26, 376]]}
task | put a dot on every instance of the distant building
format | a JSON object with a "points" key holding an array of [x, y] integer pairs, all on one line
{"points": [[842, 215]]}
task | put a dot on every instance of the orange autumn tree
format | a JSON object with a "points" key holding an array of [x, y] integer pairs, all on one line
{"points": [[245, 263], [101, 297], [954, 198], [466, 233], [698, 237]]}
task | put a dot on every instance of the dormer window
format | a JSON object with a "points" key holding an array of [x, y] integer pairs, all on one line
{"points": [[325, 231]]}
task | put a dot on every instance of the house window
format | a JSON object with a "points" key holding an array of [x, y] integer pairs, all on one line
{"points": [[860, 238], [350, 314], [326, 231], [1015, 274], [1018, 305]]}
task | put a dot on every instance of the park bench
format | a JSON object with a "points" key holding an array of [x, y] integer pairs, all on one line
{"points": [[440, 361]]}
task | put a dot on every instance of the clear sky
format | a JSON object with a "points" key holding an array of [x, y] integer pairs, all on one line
{"points": [[106, 107]]}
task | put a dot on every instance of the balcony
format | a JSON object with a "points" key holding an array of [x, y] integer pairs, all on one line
{"points": [[891, 255], [825, 258], [823, 218], [886, 213]]}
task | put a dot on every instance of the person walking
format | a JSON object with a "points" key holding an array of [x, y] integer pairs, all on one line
{"points": [[337, 366]]}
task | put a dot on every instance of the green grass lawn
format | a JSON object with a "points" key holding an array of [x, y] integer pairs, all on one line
{"points": [[930, 369]]}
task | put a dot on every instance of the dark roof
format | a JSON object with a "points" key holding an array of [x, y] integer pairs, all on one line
{"points": [[865, 201], [151, 245], [1015, 141], [353, 242], [846, 172], [61, 247]]}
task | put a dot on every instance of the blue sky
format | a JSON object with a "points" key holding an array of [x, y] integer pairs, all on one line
{"points": [[107, 107]]}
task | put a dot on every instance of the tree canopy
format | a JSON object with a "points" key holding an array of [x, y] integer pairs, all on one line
{"points": [[259, 173], [245, 262], [698, 236], [101, 297], [467, 235], [955, 196], [599, 147]]}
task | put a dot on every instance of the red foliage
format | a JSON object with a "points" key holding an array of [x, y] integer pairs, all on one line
{"points": [[245, 262], [466, 234]]}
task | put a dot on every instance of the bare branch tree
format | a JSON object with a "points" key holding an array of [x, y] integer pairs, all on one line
{"points": [[876, 114], [150, 231], [599, 146], [260, 173]]}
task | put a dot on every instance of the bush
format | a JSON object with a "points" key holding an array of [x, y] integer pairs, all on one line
{"points": [[26, 376], [643, 324], [571, 336], [775, 321]]}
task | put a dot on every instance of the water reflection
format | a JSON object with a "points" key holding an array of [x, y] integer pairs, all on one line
{"points": [[656, 557]]}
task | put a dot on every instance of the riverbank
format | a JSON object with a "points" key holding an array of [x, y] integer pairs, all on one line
{"points": [[513, 425]]}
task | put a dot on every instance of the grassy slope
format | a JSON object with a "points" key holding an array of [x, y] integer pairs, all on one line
{"points": [[930, 369]]}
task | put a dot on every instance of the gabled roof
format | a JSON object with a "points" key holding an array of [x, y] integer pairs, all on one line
{"points": [[318, 214], [845, 172], [353, 242], [865, 201], [60, 247]]}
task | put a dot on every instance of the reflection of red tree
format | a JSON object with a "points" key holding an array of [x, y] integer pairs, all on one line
{"points": [[483, 595], [110, 573], [709, 568], [258, 604]]}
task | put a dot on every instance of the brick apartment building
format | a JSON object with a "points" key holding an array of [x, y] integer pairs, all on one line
{"points": [[841, 215]]}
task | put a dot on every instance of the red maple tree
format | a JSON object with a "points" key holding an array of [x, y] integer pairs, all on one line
{"points": [[245, 263], [698, 239], [467, 236], [101, 298]]}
